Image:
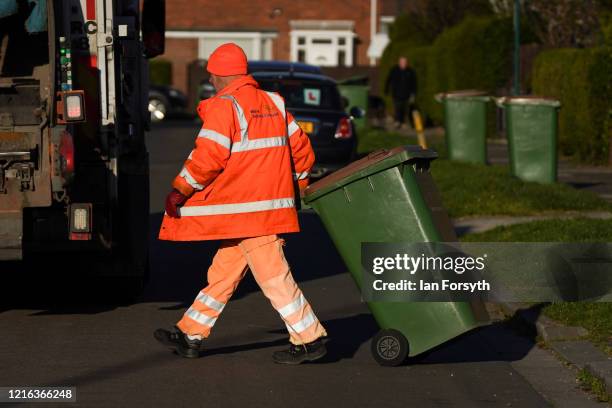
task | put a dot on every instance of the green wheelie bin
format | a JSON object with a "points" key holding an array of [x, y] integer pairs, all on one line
{"points": [[531, 128], [465, 124], [357, 97], [389, 196]]}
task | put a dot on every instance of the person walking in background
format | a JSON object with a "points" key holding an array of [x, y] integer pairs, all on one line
{"points": [[402, 84]]}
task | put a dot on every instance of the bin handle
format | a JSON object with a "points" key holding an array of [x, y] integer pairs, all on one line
{"points": [[377, 153], [439, 97]]}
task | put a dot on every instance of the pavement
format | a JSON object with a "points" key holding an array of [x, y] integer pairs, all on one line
{"points": [[567, 343], [57, 333]]}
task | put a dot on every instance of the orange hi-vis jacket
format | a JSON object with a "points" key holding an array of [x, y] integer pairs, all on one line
{"points": [[239, 177]]}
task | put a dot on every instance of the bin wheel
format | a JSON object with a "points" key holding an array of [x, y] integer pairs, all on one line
{"points": [[389, 347]]}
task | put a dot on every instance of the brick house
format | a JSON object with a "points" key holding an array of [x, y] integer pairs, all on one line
{"points": [[321, 32]]}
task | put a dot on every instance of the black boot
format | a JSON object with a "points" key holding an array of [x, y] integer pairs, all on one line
{"points": [[297, 354], [178, 341]]}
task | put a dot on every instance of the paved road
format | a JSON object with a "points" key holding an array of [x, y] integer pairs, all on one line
{"points": [[108, 353]]}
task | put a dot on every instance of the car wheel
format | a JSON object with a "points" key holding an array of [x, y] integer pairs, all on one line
{"points": [[158, 108]]}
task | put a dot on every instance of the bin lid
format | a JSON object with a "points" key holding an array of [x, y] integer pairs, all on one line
{"points": [[530, 100], [373, 163], [464, 94], [362, 80]]}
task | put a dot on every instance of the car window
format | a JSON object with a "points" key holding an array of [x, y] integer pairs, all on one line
{"points": [[304, 94]]}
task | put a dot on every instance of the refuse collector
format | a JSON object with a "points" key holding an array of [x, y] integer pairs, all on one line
{"points": [[237, 186]]}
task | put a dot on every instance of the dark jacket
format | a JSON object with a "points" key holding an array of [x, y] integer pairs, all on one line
{"points": [[401, 82]]}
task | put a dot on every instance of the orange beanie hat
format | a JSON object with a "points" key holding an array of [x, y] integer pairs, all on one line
{"points": [[228, 59]]}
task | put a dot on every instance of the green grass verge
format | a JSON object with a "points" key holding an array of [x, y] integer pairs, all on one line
{"points": [[553, 230], [595, 317], [593, 384], [370, 139], [472, 189]]}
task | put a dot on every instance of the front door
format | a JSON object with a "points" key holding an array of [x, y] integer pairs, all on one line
{"points": [[322, 52]]}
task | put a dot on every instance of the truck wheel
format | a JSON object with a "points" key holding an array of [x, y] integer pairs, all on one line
{"points": [[389, 348]]}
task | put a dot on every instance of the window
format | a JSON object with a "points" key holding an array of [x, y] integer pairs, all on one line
{"points": [[322, 42]]}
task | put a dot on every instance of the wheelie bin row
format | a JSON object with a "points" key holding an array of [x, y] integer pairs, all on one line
{"points": [[389, 196], [531, 128]]}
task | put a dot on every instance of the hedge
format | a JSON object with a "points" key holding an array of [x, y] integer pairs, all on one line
{"points": [[406, 28], [160, 71], [582, 80], [475, 54], [605, 20]]}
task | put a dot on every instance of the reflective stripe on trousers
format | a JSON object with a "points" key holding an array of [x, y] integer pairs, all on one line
{"points": [[264, 257]]}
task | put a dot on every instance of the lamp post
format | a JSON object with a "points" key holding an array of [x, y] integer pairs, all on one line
{"points": [[516, 89]]}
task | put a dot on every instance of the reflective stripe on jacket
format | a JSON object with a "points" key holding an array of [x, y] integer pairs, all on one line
{"points": [[239, 176]]}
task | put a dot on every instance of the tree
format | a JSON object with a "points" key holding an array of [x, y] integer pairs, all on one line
{"points": [[428, 18], [565, 23], [503, 7]]}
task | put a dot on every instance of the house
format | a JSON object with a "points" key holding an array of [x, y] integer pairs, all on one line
{"points": [[329, 33]]}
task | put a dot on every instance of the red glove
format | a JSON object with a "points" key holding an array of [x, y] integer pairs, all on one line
{"points": [[174, 200]]}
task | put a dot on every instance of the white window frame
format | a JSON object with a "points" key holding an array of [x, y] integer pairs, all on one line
{"points": [[333, 35], [262, 42]]}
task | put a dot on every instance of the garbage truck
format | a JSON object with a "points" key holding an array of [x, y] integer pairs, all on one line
{"points": [[73, 115]]}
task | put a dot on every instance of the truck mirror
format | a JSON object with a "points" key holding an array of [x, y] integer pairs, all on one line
{"points": [[153, 27]]}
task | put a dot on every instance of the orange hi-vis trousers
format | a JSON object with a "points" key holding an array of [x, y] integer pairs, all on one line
{"points": [[264, 257]]}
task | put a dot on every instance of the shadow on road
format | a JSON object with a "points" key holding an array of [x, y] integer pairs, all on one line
{"points": [[495, 342], [178, 272], [348, 334], [178, 269], [345, 337]]}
